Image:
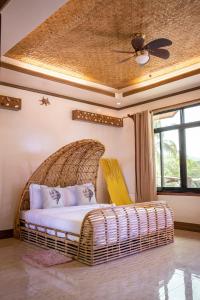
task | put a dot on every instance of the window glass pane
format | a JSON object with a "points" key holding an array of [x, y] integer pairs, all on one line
{"points": [[171, 160], [192, 114], [193, 157], [167, 119], [157, 159]]}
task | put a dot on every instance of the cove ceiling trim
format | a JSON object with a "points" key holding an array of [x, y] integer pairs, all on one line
{"points": [[77, 40], [74, 40]]}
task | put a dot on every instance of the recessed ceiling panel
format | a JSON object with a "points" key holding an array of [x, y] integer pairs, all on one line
{"points": [[78, 39]]}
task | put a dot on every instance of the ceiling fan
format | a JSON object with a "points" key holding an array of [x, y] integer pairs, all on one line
{"points": [[142, 52]]}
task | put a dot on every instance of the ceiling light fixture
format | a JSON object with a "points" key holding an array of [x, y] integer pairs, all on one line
{"points": [[118, 97], [142, 52], [142, 57]]}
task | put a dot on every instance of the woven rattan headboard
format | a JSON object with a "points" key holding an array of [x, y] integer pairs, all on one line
{"points": [[75, 163]]}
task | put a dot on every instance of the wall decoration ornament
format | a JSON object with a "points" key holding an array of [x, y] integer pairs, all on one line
{"points": [[11, 103], [44, 101], [96, 118]]}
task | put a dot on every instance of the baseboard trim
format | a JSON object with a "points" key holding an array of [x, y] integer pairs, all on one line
{"points": [[187, 226], [5, 234]]}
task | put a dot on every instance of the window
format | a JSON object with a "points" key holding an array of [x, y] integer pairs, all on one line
{"points": [[177, 149]]}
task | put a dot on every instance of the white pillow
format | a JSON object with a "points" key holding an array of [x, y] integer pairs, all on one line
{"points": [[70, 198], [70, 193], [35, 196], [85, 194], [52, 197]]}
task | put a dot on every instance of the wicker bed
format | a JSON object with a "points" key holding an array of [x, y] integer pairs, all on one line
{"points": [[77, 163]]}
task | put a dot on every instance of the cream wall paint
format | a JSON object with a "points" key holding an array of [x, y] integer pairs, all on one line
{"points": [[29, 136], [19, 17], [186, 208], [45, 85]]}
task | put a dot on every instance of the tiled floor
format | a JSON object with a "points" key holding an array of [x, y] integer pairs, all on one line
{"points": [[167, 273]]}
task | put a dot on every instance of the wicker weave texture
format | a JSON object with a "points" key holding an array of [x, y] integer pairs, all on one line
{"points": [[116, 232], [78, 39], [107, 233], [75, 163]]}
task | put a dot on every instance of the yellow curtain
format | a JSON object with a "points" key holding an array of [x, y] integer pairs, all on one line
{"points": [[115, 182]]}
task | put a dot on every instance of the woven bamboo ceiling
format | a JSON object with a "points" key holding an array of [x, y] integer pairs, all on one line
{"points": [[78, 39]]}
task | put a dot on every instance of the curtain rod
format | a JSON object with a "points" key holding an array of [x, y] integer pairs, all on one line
{"points": [[128, 116], [168, 107], [177, 105]]}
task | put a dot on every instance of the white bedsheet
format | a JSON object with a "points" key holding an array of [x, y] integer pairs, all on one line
{"points": [[69, 219]]}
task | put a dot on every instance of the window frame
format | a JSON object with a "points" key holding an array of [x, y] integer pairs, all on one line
{"points": [[182, 150]]}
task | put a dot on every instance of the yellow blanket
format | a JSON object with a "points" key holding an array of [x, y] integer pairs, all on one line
{"points": [[115, 182]]}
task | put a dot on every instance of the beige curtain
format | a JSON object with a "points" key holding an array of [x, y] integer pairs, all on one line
{"points": [[144, 157]]}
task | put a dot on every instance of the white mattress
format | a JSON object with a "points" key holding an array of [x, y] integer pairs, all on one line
{"points": [[69, 219]]}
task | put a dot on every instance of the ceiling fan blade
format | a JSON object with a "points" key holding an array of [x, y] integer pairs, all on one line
{"points": [[124, 60], [158, 43], [162, 53], [119, 51], [137, 43]]}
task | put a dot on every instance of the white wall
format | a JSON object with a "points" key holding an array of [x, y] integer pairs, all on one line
{"points": [[32, 134], [19, 17], [186, 208], [29, 136]]}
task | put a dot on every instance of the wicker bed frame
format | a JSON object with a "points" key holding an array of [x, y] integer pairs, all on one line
{"points": [[77, 163]]}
